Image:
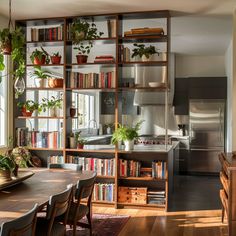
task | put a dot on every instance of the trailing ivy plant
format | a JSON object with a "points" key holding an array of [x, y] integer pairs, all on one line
{"points": [[141, 50]]}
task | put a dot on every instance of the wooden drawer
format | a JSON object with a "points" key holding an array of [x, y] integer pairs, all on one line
{"points": [[132, 195], [224, 164], [225, 182], [224, 200]]}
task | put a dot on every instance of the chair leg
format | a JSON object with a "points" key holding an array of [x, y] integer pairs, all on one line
{"points": [[89, 218], [223, 214], [74, 229]]}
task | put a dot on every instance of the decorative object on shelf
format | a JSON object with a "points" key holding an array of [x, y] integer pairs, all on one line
{"points": [[146, 31], [104, 59], [28, 107], [56, 58], [40, 75], [54, 105], [127, 135], [81, 142], [144, 52], [12, 41], [7, 165], [39, 57], [55, 83], [109, 128], [72, 111], [80, 31], [19, 86]]}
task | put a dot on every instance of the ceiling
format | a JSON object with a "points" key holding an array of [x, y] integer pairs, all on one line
{"points": [[201, 27]]}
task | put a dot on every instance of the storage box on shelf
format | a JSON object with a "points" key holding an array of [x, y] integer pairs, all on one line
{"points": [[108, 80]]}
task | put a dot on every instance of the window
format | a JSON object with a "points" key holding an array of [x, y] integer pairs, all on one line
{"points": [[3, 107]]}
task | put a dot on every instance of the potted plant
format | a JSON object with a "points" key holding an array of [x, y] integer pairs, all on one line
{"points": [[28, 107], [56, 58], [127, 135], [5, 41], [81, 142], [39, 57], [53, 104], [21, 157], [144, 52], [39, 75], [82, 30], [7, 165]]}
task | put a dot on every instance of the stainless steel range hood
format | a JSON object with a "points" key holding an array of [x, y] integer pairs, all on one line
{"points": [[144, 75]]}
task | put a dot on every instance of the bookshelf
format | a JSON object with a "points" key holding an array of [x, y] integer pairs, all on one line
{"points": [[102, 84]]}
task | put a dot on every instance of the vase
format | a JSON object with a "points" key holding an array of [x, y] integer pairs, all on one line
{"points": [[129, 145], [5, 175], [72, 142], [72, 112], [54, 112]]}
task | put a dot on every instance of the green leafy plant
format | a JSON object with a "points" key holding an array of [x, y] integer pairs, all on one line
{"points": [[40, 73], [6, 163], [29, 105], [5, 38], [123, 133], [141, 50], [53, 102], [56, 54], [82, 30], [21, 157], [37, 54]]}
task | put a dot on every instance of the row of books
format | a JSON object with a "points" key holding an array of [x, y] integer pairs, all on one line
{"points": [[129, 168], [47, 34], [55, 159], [103, 192], [37, 139], [105, 167], [156, 197], [91, 80], [124, 53], [159, 169]]}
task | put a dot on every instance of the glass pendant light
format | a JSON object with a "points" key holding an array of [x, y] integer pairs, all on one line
{"points": [[19, 86]]}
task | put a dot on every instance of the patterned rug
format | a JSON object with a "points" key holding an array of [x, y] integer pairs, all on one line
{"points": [[103, 225]]}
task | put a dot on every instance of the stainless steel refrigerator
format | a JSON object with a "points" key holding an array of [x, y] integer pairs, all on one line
{"points": [[206, 135]]}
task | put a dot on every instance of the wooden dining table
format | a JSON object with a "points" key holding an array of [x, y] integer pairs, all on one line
{"points": [[18, 199]]}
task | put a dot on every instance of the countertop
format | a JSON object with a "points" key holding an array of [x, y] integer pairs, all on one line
{"points": [[231, 159], [97, 137]]}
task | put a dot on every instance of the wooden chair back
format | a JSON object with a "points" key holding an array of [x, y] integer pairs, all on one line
{"points": [[22, 226]]}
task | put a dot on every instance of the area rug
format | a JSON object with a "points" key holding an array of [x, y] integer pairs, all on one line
{"points": [[103, 225]]}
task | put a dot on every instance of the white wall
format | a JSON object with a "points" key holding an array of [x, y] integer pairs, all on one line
{"points": [[3, 22], [198, 66], [229, 73]]}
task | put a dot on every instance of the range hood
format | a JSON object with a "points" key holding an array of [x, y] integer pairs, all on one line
{"points": [[144, 75]]}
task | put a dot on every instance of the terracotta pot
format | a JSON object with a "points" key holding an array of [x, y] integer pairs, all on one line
{"points": [[80, 145], [55, 83], [56, 59], [72, 112], [5, 175], [81, 59], [37, 61], [26, 113], [7, 49]]}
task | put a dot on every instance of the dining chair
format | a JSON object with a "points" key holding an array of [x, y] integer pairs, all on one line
{"points": [[58, 206], [77, 210], [22, 226], [67, 166]]}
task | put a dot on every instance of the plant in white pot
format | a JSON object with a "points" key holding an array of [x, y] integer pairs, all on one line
{"points": [[127, 135], [39, 75], [81, 31], [144, 52], [54, 104]]}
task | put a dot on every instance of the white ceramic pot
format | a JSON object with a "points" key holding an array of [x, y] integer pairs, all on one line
{"points": [[54, 112], [129, 145], [39, 83], [73, 144]]}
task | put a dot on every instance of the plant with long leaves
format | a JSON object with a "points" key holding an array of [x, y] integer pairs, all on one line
{"points": [[6, 163]]}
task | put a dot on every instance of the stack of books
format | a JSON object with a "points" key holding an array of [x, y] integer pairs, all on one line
{"points": [[156, 197], [91, 80], [103, 167], [47, 34], [146, 31], [104, 59], [129, 168], [103, 192]]}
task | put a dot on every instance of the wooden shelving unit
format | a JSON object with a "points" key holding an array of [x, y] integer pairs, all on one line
{"points": [[65, 46]]}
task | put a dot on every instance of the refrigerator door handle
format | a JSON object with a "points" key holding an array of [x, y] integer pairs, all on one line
{"points": [[220, 134]]}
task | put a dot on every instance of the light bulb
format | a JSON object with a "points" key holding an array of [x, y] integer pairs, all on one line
{"points": [[19, 86]]}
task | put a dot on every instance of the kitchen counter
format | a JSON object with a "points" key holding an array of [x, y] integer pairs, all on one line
{"points": [[230, 159], [97, 137]]}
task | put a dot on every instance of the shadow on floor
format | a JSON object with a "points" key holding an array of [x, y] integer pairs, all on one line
{"points": [[195, 193]]}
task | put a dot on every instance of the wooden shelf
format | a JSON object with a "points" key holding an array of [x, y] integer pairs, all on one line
{"points": [[91, 150], [106, 40], [142, 179], [45, 149], [161, 89], [142, 205], [93, 89], [93, 63], [144, 38], [45, 65], [32, 88], [144, 63], [47, 41], [40, 117]]}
